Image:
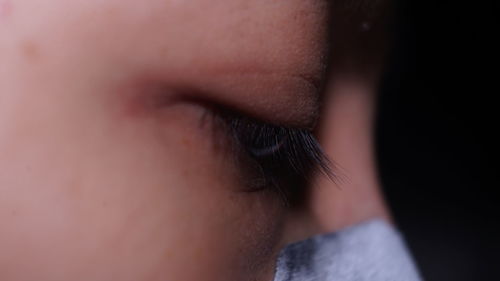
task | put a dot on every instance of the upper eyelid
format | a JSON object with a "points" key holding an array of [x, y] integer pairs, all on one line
{"points": [[292, 101], [217, 109]]}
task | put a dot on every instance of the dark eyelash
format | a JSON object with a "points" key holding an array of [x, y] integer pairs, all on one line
{"points": [[286, 158]]}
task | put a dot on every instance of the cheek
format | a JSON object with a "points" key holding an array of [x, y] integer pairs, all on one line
{"points": [[93, 197]]}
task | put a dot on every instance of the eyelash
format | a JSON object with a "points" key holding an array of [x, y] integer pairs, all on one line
{"points": [[281, 159]]}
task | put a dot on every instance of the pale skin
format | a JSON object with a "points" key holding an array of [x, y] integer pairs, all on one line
{"points": [[105, 171]]}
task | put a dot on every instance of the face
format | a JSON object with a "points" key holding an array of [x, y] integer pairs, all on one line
{"points": [[110, 166]]}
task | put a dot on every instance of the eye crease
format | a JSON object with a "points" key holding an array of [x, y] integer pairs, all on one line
{"points": [[280, 159]]}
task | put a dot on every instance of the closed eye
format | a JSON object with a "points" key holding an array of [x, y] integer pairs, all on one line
{"points": [[280, 159]]}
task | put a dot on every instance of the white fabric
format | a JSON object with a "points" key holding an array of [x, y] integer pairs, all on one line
{"points": [[371, 251]]}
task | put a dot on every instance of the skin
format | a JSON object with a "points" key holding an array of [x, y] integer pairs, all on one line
{"points": [[105, 170]]}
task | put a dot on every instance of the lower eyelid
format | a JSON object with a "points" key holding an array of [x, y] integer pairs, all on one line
{"points": [[226, 145], [268, 151]]}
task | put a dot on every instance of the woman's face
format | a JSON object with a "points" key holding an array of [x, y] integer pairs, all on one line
{"points": [[110, 168]]}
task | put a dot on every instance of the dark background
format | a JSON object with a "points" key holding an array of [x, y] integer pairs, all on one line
{"points": [[435, 137]]}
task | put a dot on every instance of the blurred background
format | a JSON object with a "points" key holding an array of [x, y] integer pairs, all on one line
{"points": [[435, 137]]}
